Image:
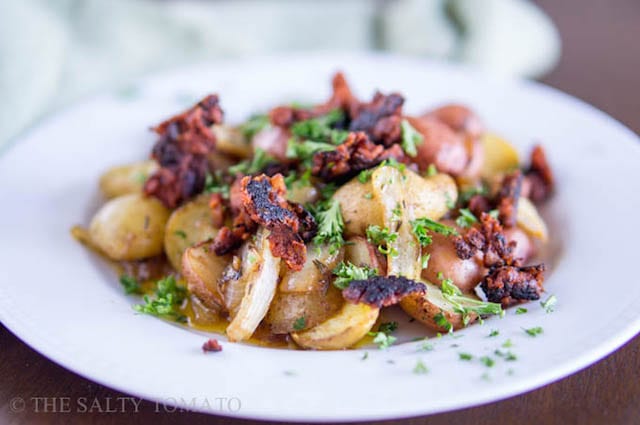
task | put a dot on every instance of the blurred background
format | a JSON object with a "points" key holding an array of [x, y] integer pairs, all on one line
{"points": [[53, 52]]}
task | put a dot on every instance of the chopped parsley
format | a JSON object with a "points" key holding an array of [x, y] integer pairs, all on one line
{"points": [[365, 356], [426, 346], [383, 340], [521, 310], [396, 213], [214, 183], [465, 356], [305, 150], [254, 165], [534, 331], [383, 238], [365, 175], [494, 332], [487, 361], [442, 322], [508, 356], [549, 303], [507, 344], [465, 305], [422, 226], [166, 300], [420, 368], [181, 233], [320, 129], [466, 218], [141, 178], [130, 284], [368, 196], [388, 327], [300, 323], [346, 272], [432, 170], [330, 225], [254, 125], [410, 138]]}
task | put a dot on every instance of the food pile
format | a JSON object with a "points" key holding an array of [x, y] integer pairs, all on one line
{"points": [[307, 221]]}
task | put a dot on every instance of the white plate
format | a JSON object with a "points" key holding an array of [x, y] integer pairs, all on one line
{"points": [[64, 302]]}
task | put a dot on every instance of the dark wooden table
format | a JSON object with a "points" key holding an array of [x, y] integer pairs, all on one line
{"points": [[600, 64]]}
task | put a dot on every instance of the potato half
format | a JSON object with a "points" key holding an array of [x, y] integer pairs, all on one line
{"points": [[202, 269], [343, 330], [188, 225], [129, 227]]}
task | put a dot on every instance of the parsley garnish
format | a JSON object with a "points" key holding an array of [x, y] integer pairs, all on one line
{"points": [[507, 343], [365, 356], [305, 150], [467, 194], [494, 332], [465, 356], [320, 129], [130, 284], [534, 331], [508, 356], [383, 340], [254, 125], [214, 183], [388, 327], [180, 233], [365, 175], [410, 138], [300, 323], [488, 361], [549, 304], [442, 321], [346, 272], [330, 225], [422, 226], [256, 164], [466, 218], [166, 300], [432, 170], [521, 310], [420, 368], [465, 305], [383, 238], [426, 346]]}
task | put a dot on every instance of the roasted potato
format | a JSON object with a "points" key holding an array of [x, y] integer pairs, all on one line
{"points": [[343, 330], [360, 252], [441, 146], [426, 307], [306, 294], [465, 274], [202, 269], [459, 118], [362, 206], [126, 179], [231, 141], [529, 220], [129, 227], [499, 156], [259, 289], [188, 225]]}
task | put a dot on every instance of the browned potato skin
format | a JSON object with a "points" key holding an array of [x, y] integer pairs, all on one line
{"points": [[441, 146], [525, 248], [420, 308], [359, 207], [465, 274], [202, 269]]}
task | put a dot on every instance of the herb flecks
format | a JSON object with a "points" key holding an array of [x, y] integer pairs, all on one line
{"points": [[166, 301]]}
